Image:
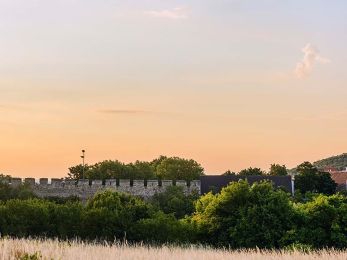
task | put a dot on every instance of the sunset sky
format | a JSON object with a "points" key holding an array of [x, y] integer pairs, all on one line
{"points": [[229, 83]]}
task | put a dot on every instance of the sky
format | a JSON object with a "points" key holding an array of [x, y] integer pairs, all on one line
{"points": [[232, 84]]}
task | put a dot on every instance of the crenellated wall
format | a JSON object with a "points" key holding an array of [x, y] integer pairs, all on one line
{"points": [[85, 189]]}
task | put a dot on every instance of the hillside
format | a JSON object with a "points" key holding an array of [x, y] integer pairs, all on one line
{"points": [[338, 161]]}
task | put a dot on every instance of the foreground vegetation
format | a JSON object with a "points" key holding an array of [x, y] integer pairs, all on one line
{"points": [[27, 249]]}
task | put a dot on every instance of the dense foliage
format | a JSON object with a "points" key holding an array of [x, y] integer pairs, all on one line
{"points": [[278, 170], [275, 170], [174, 201], [251, 171], [244, 216], [310, 179], [170, 168], [8, 192], [320, 222]]}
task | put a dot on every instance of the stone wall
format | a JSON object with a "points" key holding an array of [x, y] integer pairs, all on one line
{"points": [[85, 189]]}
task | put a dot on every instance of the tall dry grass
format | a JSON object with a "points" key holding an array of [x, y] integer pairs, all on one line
{"points": [[53, 249]]}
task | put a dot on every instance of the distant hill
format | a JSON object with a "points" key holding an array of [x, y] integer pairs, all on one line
{"points": [[338, 161]]}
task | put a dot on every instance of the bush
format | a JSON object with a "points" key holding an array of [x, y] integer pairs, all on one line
{"points": [[163, 228], [174, 201], [22, 191], [111, 214], [24, 218], [321, 222], [244, 216]]}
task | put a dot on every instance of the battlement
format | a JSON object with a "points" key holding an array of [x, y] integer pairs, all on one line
{"points": [[54, 187], [85, 189], [97, 183]]}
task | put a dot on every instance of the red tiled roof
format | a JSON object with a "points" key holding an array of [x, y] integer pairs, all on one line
{"points": [[339, 177]]}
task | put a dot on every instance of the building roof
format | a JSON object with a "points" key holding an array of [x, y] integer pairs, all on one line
{"points": [[339, 177]]}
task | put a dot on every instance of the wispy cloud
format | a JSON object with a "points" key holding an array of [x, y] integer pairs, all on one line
{"points": [[311, 57], [175, 13], [137, 113], [123, 111]]}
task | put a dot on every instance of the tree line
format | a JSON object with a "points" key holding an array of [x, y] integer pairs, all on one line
{"points": [[170, 168], [307, 176]]}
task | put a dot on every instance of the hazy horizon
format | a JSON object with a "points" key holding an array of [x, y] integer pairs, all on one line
{"points": [[232, 84]]}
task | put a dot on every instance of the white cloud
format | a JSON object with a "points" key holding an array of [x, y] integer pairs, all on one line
{"points": [[311, 57], [175, 13]]}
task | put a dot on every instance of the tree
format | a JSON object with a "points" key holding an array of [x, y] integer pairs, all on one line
{"points": [[325, 184], [109, 169], [278, 170], [143, 170], [244, 216], [306, 168], [157, 161], [172, 168], [111, 214], [251, 171], [321, 223], [163, 228], [309, 179], [175, 168], [8, 192], [229, 173], [174, 201], [76, 172]]}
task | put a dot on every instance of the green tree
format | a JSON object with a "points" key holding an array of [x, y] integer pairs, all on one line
{"points": [[244, 216], [22, 218], [22, 191], [76, 172], [306, 168], [163, 228], [251, 171], [309, 179], [143, 170], [175, 168], [320, 223], [278, 170], [157, 161], [174, 201], [325, 184], [65, 219], [229, 173], [109, 169], [111, 214], [172, 168]]}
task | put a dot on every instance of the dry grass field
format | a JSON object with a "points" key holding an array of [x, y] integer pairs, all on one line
{"points": [[25, 249]]}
